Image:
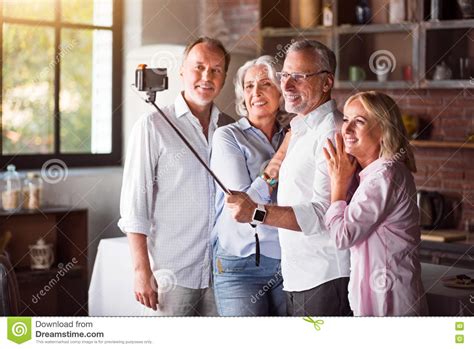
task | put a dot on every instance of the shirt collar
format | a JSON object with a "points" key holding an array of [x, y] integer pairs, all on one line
{"points": [[313, 118], [374, 166], [244, 124], [181, 108]]}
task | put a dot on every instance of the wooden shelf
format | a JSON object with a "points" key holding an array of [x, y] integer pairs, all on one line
{"points": [[447, 83], [416, 42], [41, 211], [283, 32], [26, 275], [449, 24], [374, 84], [376, 28], [442, 144]]}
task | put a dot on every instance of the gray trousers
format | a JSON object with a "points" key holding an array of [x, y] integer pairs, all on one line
{"points": [[182, 301], [328, 299]]}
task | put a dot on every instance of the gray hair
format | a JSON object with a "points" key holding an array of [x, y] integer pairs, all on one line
{"points": [[319, 51], [271, 67]]}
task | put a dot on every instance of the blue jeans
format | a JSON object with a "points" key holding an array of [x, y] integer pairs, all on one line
{"points": [[243, 289]]}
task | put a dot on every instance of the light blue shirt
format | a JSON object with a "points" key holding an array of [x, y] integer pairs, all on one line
{"points": [[240, 153]]}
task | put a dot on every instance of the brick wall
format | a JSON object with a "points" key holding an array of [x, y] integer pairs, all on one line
{"points": [[234, 22], [450, 114]]}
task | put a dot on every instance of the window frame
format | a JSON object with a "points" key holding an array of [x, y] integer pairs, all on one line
{"points": [[36, 161]]}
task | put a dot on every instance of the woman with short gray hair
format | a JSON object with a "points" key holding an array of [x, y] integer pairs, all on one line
{"points": [[246, 261]]}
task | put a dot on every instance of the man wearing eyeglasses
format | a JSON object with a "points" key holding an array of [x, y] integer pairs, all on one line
{"points": [[315, 273]]}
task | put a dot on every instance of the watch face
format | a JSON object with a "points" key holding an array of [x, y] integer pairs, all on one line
{"points": [[259, 215]]}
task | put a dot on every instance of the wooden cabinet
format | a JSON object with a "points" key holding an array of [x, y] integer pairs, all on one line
{"points": [[61, 290], [419, 42]]}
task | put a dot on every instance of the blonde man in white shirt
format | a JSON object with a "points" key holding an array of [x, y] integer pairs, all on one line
{"points": [[315, 273], [167, 201]]}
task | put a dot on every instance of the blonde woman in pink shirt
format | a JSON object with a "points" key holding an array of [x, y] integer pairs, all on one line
{"points": [[380, 222]]}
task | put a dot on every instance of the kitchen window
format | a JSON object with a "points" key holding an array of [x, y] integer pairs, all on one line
{"points": [[61, 82]]}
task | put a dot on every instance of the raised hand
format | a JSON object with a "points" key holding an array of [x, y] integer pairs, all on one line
{"points": [[341, 168]]}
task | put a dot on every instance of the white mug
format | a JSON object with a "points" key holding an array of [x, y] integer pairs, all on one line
{"points": [[382, 77]]}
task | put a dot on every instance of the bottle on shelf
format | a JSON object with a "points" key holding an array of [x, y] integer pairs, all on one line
{"points": [[327, 16], [32, 191], [11, 189]]}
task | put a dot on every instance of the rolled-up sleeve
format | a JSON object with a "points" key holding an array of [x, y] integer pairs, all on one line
{"points": [[353, 223], [259, 191], [310, 216], [138, 184], [229, 163]]}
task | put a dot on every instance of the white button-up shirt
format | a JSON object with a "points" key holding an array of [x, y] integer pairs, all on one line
{"points": [[309, 258], [168, 195]]}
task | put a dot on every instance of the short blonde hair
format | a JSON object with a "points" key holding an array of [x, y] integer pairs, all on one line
{"points": [[271, 67], [395, 143]]}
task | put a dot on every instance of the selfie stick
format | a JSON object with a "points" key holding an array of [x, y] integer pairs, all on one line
{"points": [[151, 100]]}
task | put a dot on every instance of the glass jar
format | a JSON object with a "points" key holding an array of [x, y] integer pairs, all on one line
{"points": [[32, 191], [327, 15], [11, 189]]}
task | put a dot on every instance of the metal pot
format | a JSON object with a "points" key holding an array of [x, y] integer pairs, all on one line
{"points": [[432, 208]]}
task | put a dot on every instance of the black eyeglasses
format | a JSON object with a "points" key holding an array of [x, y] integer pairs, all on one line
{"points": [[298, 76]]}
